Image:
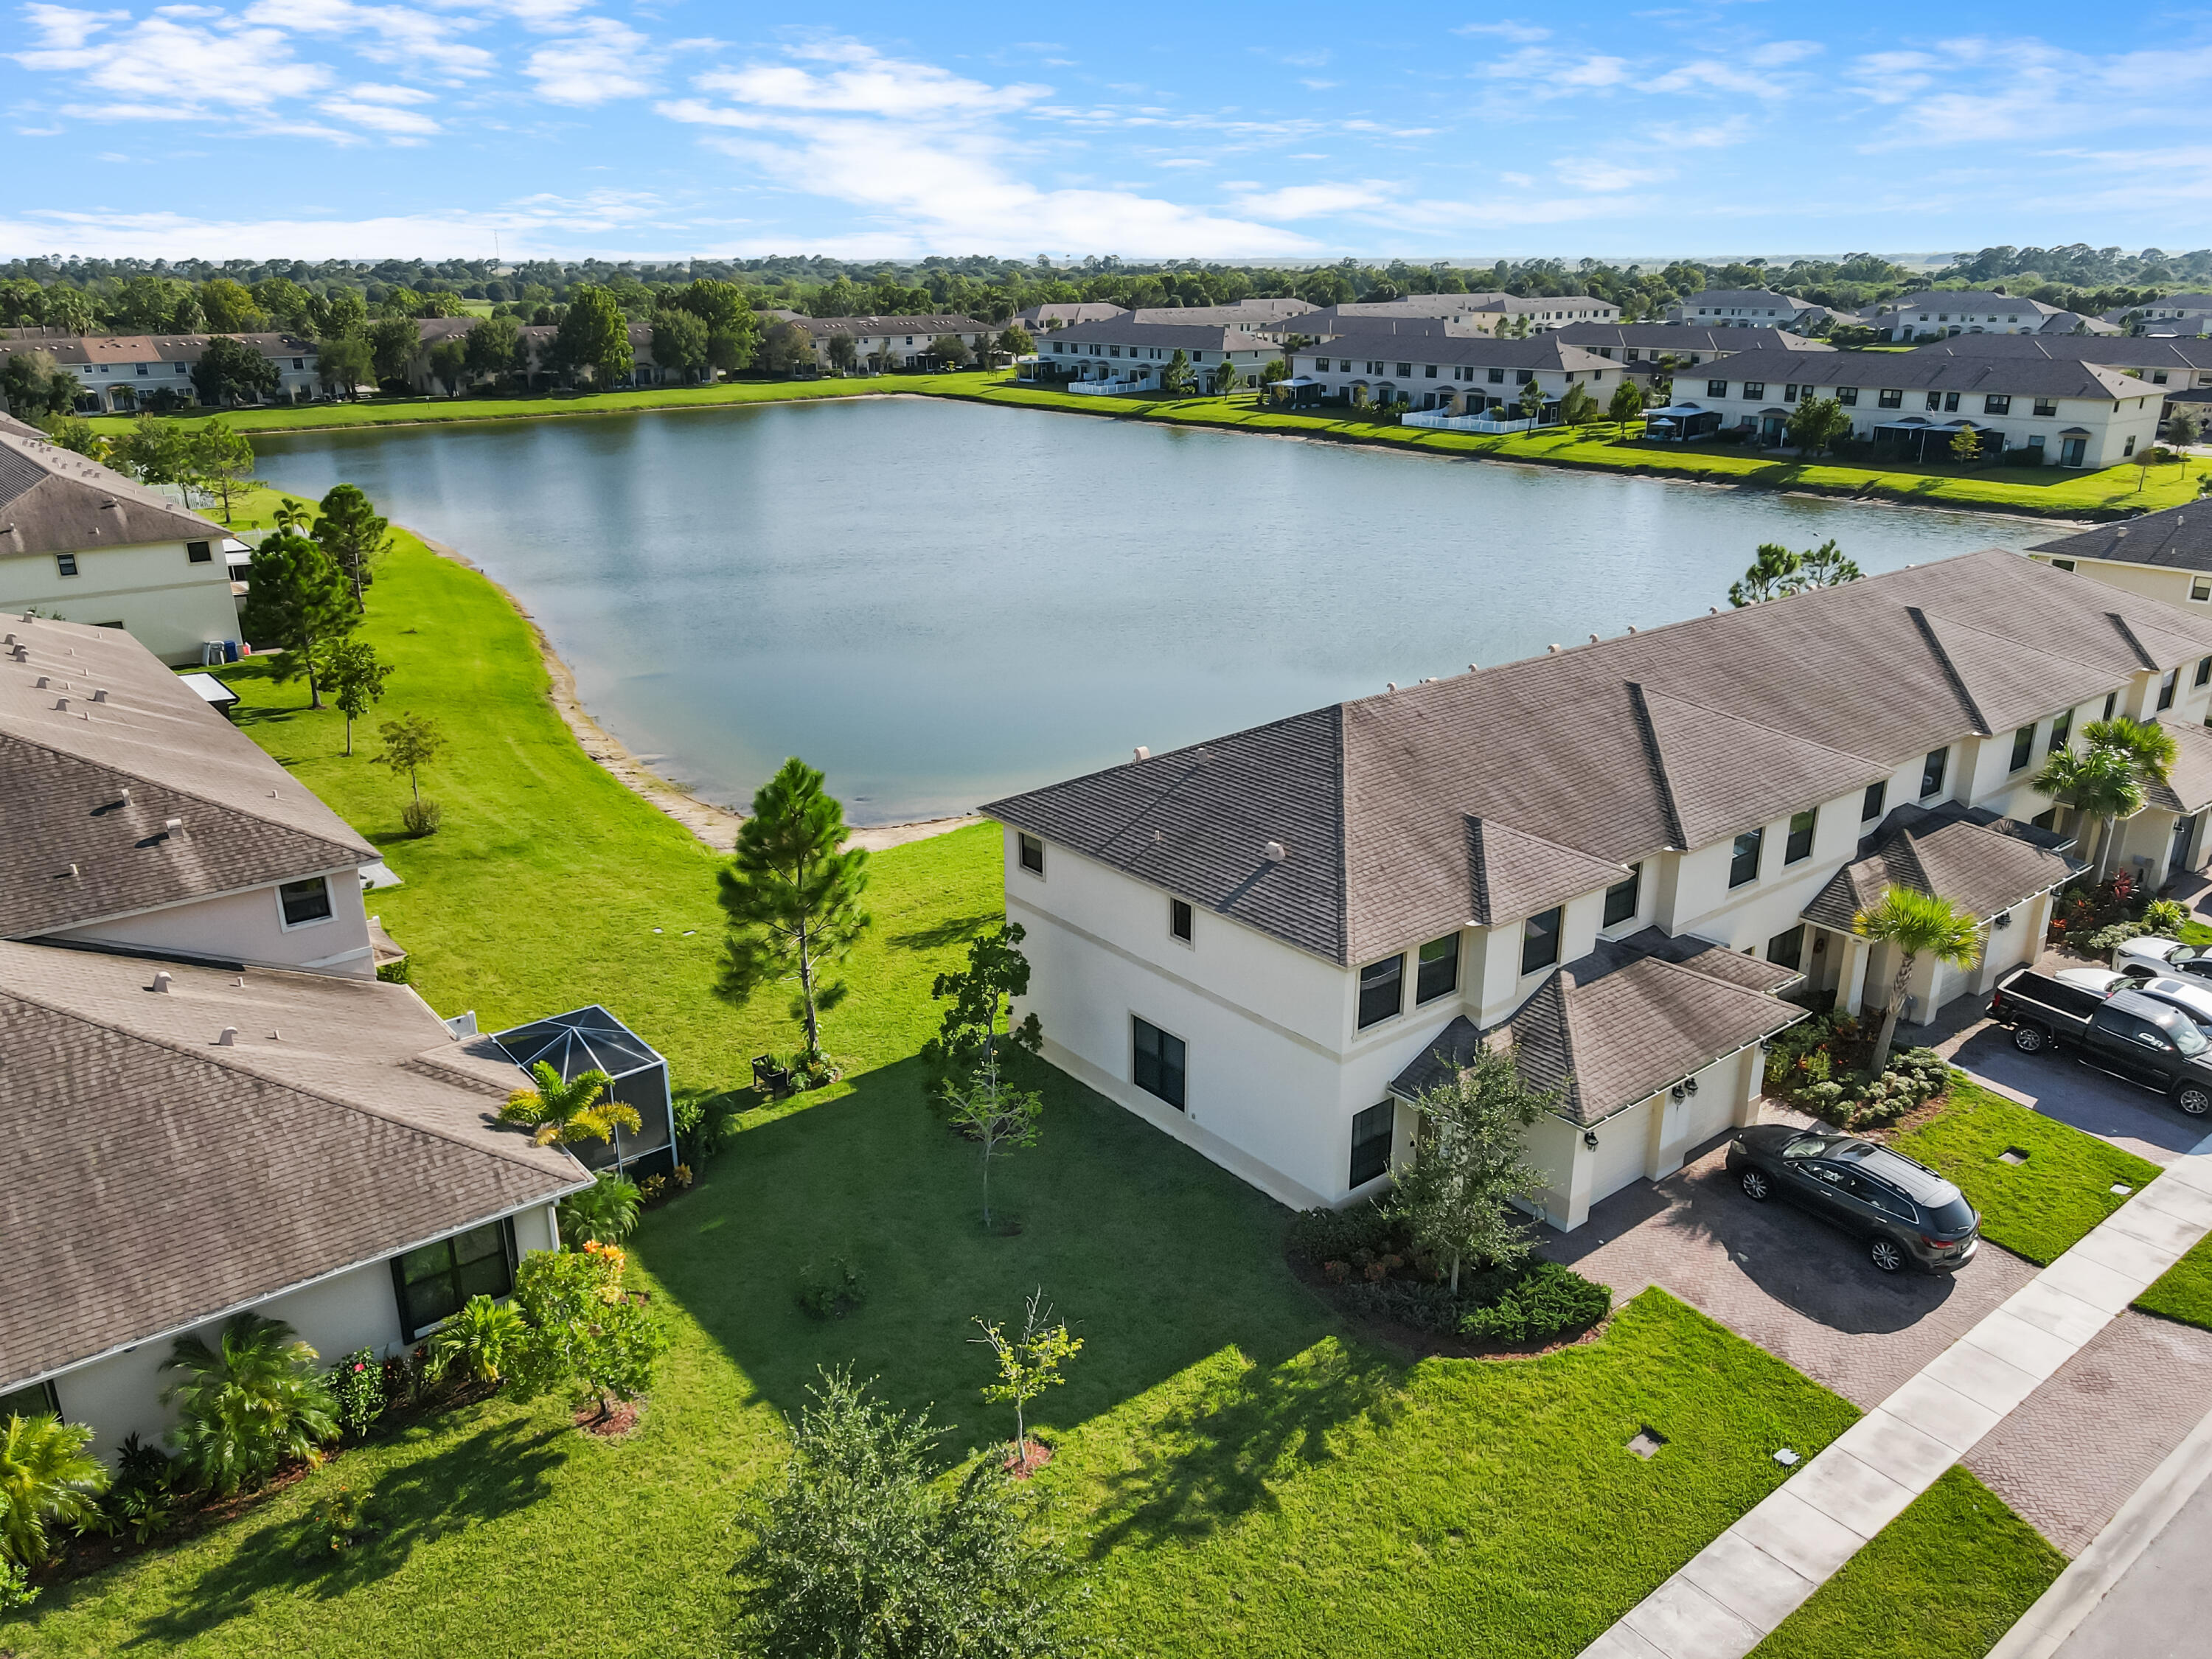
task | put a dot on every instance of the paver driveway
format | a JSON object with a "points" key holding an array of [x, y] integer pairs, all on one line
{"points": [[1774, 1275]]}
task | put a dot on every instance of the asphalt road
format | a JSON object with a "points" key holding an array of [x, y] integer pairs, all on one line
{"points": [[2162, 1608]]}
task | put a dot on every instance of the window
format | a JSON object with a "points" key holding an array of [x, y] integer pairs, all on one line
{"points": [[1523, 376], [65, 563], [198, 553], [1404, 371], [1179, 919], [2129, 448], [1931, 771], [1623, 898], [1754, 388], [1716, 388], [304, 902], [1498, 377], [433, 1281], [1031, 854], [1871, 808], [2200, 589], [2203, 671], [1159, 1063], [1997, 403], [2158, 377], [2112, 701], [1438, 973], [1891, 398], [1429, 372], [2062, 727], [1539, 940], [1743, 862], [1382, 990], [1370, 1143], [1847, 396], [33, 1402], [1799, 847], [2166, 682], [2047, 408], [2023, 746], [1787, 948]]}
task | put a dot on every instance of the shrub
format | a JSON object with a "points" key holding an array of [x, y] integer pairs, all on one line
{"points": [[653, 1189], [681, 1175], [2166, 916], [705, 1123], [246, 1404], [483, 1337], [582, 1329], [831, 1292], [2112, 937], [605, 1212], [356, 1388], [46, 1477], [141, 1501], [15, 1590], [334, 1522], [1321, 1235], [422, 817], [1547, 1300], [393, 973]]}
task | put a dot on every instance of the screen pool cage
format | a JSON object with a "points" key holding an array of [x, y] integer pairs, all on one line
{"points": [[591, 1039]]}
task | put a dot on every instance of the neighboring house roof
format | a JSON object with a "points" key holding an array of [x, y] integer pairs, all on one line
{"points": [[156, 1178], [1687, 337], [822, 328], [70, 350], [1985, 307], [76, 850], [1759, 300], [1672, 738], [12, 428], [2118, 350], [1245, 313], [1078, 310], [1616, 1026], [2188, 786], [1545, 350], [55, 500], [2178, 538], [1983, 863], [2020, 374], [1128, 330]]}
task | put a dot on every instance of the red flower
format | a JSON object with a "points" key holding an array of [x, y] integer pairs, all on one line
{"points": [[358, 1366]]}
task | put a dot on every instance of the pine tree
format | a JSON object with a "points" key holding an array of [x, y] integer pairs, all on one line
{"points": [[296, 600]]}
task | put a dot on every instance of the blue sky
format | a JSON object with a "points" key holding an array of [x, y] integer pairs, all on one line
{"points": [[326, 127]]}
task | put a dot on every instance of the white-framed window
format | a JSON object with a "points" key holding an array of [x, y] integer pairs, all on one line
{"points": [[304, 904], [1182, 924], [1029, 853]]}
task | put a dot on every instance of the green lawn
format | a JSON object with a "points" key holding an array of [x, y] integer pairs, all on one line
{"points": [[2038, 1208], [1230, 1458], [1945, 1580], [2044, 491], [2184, 1292]]}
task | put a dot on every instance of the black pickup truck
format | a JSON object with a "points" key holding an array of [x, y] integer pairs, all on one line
{"points": [[2128, 1034]]}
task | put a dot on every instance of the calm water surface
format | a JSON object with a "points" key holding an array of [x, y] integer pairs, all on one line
{"points": [[939, 603]]}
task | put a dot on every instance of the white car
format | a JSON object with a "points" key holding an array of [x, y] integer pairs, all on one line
{"points": [[2152, 957], [2192, 996]]}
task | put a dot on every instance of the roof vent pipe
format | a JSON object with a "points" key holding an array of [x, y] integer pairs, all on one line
{"points": [[62, 704], [227, 1038], [1143, 753], [161, 981], [1389, 685], [173, 827], [42, 682], [1274, 851], [1551, 647], [100, 696]]}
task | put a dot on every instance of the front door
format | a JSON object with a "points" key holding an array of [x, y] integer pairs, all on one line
{"points": [[2184, 830], [2070, 451]]}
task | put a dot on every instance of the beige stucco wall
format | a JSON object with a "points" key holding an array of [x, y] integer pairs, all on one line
{"points": [[2173, 587], [249, 926], [168, 604]]}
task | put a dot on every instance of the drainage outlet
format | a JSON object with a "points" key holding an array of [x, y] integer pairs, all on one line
{"points": [[1646, 1442], [2011, 1155]]}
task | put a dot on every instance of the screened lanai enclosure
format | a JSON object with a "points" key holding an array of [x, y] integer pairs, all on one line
{"points": [[591, 1039]]}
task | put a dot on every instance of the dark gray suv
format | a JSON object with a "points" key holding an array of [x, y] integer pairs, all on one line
{"points": [[1905, 1211]]}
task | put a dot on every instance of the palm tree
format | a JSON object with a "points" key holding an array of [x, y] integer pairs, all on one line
{"points": [[2109, 777], [248, 1404], [1918, 924], [45, 1475], [568, 1112], [605, 1212]]}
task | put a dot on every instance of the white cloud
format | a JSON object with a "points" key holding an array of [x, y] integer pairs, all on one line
{"points": [[380, 117], [1309, 201], [1519, 33], [1975, 90], [62, 27], [600, 59], [251, 66], [382, 94], [532, 225], [385, 34], [1586, 173], [926, 157]]}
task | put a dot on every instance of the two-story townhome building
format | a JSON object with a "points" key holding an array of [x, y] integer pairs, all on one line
{"points": [[2180, 366], [211, 1105], [1253, 315], [1610, 857], [1058, 314], [1744, 307], [117, 374], [1681, 346], [537, 365], [2059, 408], [1936, 315], [79, 541], [882, 343], [2195, 310], [1123, 354], [1460, 374]]}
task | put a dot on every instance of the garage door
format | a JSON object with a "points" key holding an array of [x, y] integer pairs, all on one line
{"points": [[1712, 1108], [1622, 1143]]}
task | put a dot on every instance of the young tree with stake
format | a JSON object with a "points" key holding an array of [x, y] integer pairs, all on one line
{"points": [[412, 743], [357, 679], [996, 1114], [793, 894], [1028, 1364]]}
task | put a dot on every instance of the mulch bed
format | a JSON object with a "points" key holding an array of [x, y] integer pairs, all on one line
{"points": [[617, 1425], [1422, 1343], [1034, 1455]]}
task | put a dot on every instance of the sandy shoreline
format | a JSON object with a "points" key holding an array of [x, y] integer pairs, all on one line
{"points": [[717, 826]]}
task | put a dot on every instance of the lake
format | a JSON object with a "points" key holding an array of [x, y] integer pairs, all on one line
{"points": [[939, 603]]}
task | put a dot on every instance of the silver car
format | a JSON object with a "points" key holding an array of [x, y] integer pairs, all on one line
{"points": [[2193, 997]]}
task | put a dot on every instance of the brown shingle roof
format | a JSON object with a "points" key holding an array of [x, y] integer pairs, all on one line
{"points": [[56, 500], [1983, 863], [2188, 788], [1759, 713], [64, 773], [1616, 1026], [155, 1179]]}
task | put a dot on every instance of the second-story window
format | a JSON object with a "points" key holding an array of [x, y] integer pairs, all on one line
{"points": [[1623, 898], [1382, 990], [1179, 919], [2166, 683], [1931, 772], [1438, 974], [1716, 388], [2203, 671], [1876, 794], [2023, 746], [2062, 727], [1032, 856], [1799, 847], [1539, 940], [1743, 862], [2112, 701], [65, 564], [1997, 403]]}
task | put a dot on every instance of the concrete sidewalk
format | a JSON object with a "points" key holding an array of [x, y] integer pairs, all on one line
{"points": [[1738, 1589]]}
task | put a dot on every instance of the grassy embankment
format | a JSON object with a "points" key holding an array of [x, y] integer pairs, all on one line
{"points": [[2050, 492], [1235, 1467]]}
